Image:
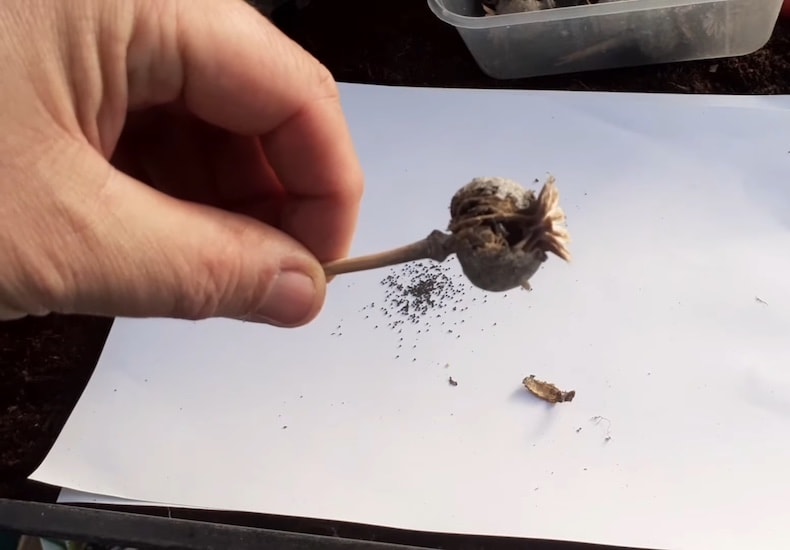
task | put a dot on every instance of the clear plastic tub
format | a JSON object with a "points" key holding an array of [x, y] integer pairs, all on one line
{"points": [[618, 33]]}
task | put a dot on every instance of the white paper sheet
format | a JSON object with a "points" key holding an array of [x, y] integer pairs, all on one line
{"points": [[671, 323]]}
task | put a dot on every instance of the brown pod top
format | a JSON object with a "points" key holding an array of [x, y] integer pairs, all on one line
{"points": [[503, 232]]}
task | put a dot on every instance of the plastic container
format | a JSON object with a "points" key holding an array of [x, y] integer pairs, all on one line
{"points": [[619, 33]]}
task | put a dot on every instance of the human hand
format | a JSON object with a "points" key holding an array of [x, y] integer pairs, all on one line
{"points": [[170, 158]]}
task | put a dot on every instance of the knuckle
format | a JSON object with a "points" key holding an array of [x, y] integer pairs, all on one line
{"points": [[356, 183], [326, 82], [53, 292], [41, 286], [198, 293]]}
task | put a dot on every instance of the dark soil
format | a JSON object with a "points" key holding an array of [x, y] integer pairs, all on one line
{"points": [[46, 362]]}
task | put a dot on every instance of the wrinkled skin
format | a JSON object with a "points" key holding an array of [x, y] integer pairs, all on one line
{"points": [[175, 158]]}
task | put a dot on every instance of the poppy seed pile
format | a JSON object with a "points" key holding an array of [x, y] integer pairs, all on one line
{"points": [[420, 291], [423, 297], [417, 294]]}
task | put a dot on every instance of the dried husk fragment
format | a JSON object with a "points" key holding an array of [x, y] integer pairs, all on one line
{"points": [[547, 391]]}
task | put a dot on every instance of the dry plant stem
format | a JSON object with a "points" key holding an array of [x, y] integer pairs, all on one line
{"points": [[437, 246]]}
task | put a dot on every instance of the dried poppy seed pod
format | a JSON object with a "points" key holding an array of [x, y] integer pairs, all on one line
{"points": [[502, 231]]}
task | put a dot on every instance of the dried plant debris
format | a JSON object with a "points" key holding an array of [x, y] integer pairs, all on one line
{"points": [[629, 38], [547, 391], [608, 434], [505, 7]]}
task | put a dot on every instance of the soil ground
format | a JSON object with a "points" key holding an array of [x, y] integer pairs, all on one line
{"points": [[46, 362]]}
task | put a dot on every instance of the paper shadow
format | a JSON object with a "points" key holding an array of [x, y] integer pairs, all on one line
{"points": [[759, 391], [772, 196], [537, 405]]}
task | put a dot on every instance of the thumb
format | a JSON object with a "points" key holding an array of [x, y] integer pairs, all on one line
{"points": [[141, 253]]}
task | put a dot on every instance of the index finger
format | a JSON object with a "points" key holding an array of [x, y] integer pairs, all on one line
{"points": [[314, 158], [234, 69]]}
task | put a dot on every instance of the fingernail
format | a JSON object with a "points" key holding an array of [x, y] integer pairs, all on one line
{"points": [[290, 300]]}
